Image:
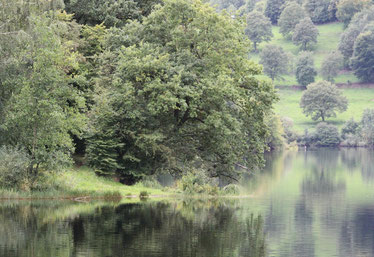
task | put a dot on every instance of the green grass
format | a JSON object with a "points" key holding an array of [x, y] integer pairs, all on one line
{"points": [[328, 40], [83, 182], [84, 179], [358, 101]]}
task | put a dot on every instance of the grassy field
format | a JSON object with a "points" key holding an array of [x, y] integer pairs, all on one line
{"points": [[358, 100], [328, 40]]}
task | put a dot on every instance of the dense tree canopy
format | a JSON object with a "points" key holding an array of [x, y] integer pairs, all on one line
{"points": [[322, 100], [274, 9], [180, 96], [346, 9], [41, 107], [318, 10], [258, 28], [109, 12], [363, 55]]}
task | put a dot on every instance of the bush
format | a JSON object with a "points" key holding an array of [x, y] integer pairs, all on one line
{"points": [[326, 135], [151, 182], [352, 140], [350, 127], [197, 182], [14, 168], [143, 195], [231, 189]]}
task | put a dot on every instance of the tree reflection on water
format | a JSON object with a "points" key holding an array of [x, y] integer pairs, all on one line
{"points": [[178, 228]]}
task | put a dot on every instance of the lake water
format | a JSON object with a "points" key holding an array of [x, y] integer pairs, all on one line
{"points": [[313, 203]]}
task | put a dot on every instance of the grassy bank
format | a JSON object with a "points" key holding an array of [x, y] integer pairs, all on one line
{"points": [[81, 184], [359, 99], [328, 40]]}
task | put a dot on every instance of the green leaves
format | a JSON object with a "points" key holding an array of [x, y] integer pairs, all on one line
{"points": [[322, 100], [183, 96]]}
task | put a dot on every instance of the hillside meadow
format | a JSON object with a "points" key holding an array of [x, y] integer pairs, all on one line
{"points": [[359, 99], [328, 40]]}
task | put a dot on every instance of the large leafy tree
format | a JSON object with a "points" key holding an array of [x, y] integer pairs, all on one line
{"points": [[275, 61], [182, 96], [292, 14], [258, 28], [43, 109], [305, 71], [305, 33], [362, 61], [274, 9], [331, 65], [322, 100]]}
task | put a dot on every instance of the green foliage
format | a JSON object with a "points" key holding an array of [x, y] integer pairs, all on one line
{"points": [[151, 182], [231, 189], [187, 79], [288, 128], [258, 28], [326, 135], [318, 10], [274, 9], [275, 61], [305, 71], [43, 110], [292, 14], [197, 182], [322, 100], [350, 127], [367, 124], [14, 167], [305, 33], [275, 139], [109, 12], [346, 9], [331, 66], [143, 195], [110, 195], [362, 61]]}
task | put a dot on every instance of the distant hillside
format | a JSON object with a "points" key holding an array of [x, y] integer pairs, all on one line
{"points": [[328, 40]]}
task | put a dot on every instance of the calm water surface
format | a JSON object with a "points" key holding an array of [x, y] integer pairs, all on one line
{"points": [[314, 203]]}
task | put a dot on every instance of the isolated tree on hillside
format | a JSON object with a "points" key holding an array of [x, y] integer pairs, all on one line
{"points": [[322, 100], [305, 33], [362, 61], [331, 65], [274, 9], [258, 28], [290, 17], [305, 71], [346, 9], [275, 61]]}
